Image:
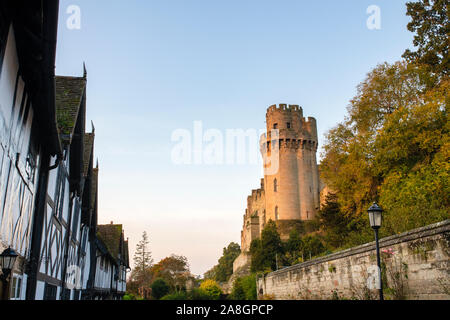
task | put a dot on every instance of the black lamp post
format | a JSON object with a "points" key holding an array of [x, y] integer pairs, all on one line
{"points": [[375, 218], [7, 261]]}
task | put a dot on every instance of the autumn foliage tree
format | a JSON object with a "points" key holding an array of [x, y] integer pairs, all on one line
{"points": [[174, 270], [393, 147]]}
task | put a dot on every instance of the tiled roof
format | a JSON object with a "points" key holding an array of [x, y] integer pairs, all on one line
{"points": [[68, 97], [94, 188], [126, 253], [88, 149], [110, 235]]}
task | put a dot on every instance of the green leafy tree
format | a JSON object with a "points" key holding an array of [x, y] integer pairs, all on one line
{"points": [[237, 292], [334, 224], [244, 288], [267, 251], [159, 288], [431, 24], [211, 288], [312, 246], [249, 286], [293, 247], [224, 269]]}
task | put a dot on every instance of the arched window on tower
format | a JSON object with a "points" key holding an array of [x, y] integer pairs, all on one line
{"points": [[276, 213], [275, 185]]}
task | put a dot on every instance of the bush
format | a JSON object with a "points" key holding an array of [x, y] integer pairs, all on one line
{"points": [[198, 294], [237, 292], [211, 289], [159, 288], [129, 296], [249, 286], [244, 288], [181, 295]]}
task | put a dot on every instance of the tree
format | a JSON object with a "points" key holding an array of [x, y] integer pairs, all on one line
{"points": [[333, 223], [224, 269], [237, 292], [159, 288], [211, 289], [293, 247], [174, 270], [268, 250], [142, 263], [412, 153], [431, 25], [312, 246], [244, 288], [391, 148]]}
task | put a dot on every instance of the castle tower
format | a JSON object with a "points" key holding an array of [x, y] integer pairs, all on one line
{"points": [[290, 190], [292, 179]]}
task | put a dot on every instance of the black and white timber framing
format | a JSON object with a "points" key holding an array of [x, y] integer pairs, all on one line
{"points": [[48, 183]]}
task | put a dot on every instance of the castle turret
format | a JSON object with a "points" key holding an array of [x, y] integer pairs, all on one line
{"points": [[292, 189]]}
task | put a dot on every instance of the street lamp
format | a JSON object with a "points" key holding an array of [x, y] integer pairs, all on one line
{"points": [[7, 261], [375, 218]]}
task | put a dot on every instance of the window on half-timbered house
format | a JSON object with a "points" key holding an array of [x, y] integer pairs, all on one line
{"points": [[50, 292], [16, 287], [75, 219], [66, 294]]}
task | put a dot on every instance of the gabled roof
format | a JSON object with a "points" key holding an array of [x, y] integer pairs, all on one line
{"points": [[69, 96], [126, 258], [88, 149], [94, 188], [110, 235]]}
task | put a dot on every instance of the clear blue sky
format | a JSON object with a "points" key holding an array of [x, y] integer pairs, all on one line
{"points": [[156, 66]]}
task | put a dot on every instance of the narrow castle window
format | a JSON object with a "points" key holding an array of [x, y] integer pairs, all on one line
{"points": [[275, 185], [276, 213], [275, 126], [288, 125]]}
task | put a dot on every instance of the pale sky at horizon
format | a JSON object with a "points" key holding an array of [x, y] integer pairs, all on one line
{"points": [[158, 66]]}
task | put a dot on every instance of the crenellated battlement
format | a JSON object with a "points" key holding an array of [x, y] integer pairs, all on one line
{"points": [[292, 144], [284, 107]]}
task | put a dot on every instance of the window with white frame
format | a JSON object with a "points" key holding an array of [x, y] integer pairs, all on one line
{"points": [[16, 287]]}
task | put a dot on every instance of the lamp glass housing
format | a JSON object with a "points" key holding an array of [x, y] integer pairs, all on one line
{"points": [[8, 259], [375, 216]]}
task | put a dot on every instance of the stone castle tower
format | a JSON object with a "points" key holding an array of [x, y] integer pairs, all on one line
{"points": [[290, 190]]}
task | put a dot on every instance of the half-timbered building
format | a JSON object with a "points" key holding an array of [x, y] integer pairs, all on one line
{"points": [[28, 131], [111, 263], [58, 272], [48, 183]]}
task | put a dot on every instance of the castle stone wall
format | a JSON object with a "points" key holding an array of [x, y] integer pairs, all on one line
{"points": [[417, 261]]}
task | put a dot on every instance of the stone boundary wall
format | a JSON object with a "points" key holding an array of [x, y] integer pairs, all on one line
{"points": [[415, 264]]}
